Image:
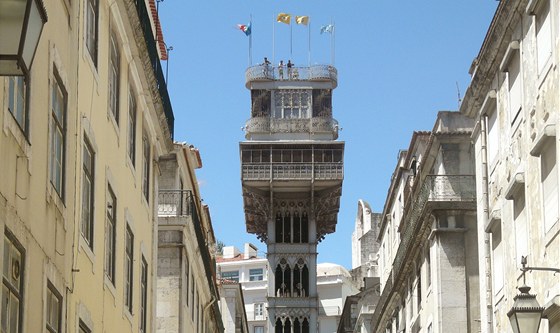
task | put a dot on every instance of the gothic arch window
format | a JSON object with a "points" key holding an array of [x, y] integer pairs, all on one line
{"points": [[304, 228], [287, 227], [278, 326], [292, 227], [282, 279], [297, 227], [279, 228]]}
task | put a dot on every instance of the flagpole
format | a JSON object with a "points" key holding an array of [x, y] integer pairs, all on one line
{"points": [[309, 44], [273, 30], [290, 23], [251, 40], [334, 41]]}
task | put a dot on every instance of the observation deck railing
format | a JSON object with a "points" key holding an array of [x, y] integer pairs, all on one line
{"points": [[292, 171], [272, 73], [282, 125]]}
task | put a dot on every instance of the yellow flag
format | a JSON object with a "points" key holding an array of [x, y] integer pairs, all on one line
{"points": [[302, 20], [283, 18]]}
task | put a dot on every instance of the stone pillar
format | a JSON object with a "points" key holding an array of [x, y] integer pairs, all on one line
{"points": [[451, 282], [228, 310]]}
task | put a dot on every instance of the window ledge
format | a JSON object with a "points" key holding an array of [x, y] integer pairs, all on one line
{"points": [[494, 218], [512, 47], [108, 285], [551, 234], [516, 184], [88, 252], [552, 309], [548, 133]]}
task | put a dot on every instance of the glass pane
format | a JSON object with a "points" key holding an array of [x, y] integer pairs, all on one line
{"points": [[14, 314], [16, 268]]}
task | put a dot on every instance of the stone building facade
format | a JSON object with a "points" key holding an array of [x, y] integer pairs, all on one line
{"points": [[514, 100], [428, 257], [187, 293]]}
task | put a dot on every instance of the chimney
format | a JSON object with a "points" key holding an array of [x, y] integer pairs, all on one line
{"points": [[250, 251], [230, 252]]}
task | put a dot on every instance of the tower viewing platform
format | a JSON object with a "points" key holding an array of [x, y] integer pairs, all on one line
{"points": [[270, 73]]}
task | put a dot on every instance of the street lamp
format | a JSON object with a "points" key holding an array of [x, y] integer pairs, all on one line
{"points": [[526, 313], [21, 24]]}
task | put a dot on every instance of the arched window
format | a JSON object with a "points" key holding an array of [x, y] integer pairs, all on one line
{"points": [[287, 326], [304, 228], [279, 228], [278, 326], [297, 326], [297, 227], [287, 231], [305, 326], [282, 279]]}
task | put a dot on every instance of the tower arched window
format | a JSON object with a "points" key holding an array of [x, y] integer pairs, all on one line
{"points": [[279, 228]]}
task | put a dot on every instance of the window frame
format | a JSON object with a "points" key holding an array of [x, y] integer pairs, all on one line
{"points": [[546, 182], [110, 234], [12, 98], [541, 9], [129, 269], [90, 176], [92, 29], [287, 102], [19, 293], [114, 77], [232, 277], [132, 120], [146, 155], [51, 290], [58, 126], [83, 328], [255, 276], [143, 295]]}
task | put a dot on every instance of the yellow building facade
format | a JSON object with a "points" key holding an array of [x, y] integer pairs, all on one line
{"points": [[81, 135]]}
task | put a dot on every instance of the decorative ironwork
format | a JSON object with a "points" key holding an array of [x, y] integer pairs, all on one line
{"points": [[174, 203], [145, 26], [435, 188], [287, 171], [270, 73], [299, 125]]}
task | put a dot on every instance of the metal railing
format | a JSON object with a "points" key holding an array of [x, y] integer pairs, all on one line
{"points": [[174, 203], [435, 188], [312, 73], [151, 44], [300, 125], [288, 171]]}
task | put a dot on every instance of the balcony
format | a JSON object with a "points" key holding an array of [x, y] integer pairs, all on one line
{"points": [[437, 192], [174, 203], [317, 73], [312, 125], [292, 171]]}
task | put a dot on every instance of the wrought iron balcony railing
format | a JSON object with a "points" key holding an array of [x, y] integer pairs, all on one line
{"points": [[291, 171], [272, 73], [435, 189], [308, 125], [151, 44], [175, 203]]}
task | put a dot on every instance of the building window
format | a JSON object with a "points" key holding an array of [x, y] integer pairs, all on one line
{"points": [[129, 260], [493, 133], [418, 290], [514, 85], [146, 168], [187, 269], [291, 103], [549, 183], [256, 274], [83, 328], [88, 160], [132, 128], [58, 136], [544, 33], [12, 286], [110, 234], [497, 258], [232, 276], [259, 311], [17, 100], [193, 306], [521, 229], [92, 11], [54, 309], [143, 295], [428, 268], [114, 75], [258, 329]]}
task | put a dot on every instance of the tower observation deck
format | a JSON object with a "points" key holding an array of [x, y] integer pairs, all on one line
{"points": [[291, 173]]}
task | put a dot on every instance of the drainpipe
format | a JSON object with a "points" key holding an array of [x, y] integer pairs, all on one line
{"points": [[487, 316], [212, 300]]}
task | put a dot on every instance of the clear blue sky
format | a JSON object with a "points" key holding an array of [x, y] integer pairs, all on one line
{"points": [[399, 62]]}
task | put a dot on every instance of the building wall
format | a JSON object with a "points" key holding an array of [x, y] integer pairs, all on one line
{"points": [[516, 149]]}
